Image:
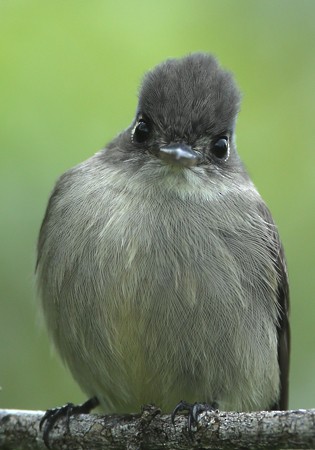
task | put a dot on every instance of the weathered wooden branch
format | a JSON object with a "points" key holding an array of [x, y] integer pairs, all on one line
{"points": [[19, 430]]}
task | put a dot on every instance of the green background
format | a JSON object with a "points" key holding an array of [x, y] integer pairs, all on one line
{"points": [[69, 75]]}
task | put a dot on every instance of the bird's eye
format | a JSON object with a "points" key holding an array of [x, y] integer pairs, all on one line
{"points": [[141, 131], [220, 148]]}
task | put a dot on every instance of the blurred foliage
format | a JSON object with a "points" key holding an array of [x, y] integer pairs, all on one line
{"points": [[68, 81]]}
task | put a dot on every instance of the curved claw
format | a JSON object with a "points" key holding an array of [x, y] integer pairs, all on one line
{"points": [[194, 409], [181, 406], [53, 415], [50, 418]]}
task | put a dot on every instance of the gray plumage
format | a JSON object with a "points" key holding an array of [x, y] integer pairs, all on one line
{"points": [[163, 279]]}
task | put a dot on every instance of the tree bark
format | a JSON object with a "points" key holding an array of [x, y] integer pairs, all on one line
{"points": [[19, 430]]}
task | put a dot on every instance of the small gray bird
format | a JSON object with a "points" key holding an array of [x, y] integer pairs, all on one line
{"points": [[160, 270]]}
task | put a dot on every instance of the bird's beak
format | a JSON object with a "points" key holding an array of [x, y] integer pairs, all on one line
{"points": [[180, 155]]}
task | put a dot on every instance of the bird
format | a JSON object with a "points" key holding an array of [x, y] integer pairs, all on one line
{"points": [[160, 269]]}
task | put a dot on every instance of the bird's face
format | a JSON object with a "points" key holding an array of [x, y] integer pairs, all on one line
{"points": [[182, 136], [182, 150], [186, 113]]}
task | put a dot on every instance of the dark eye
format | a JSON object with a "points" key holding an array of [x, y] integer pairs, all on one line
{"points": [[141, 131], [220, 148]]}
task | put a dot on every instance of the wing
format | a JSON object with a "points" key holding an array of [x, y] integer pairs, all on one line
{"points": [[283, 332], [283, 301]]}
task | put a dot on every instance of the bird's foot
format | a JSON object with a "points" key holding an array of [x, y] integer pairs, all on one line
{"points": [[194, 410], [148, 413], [53, 415]]}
